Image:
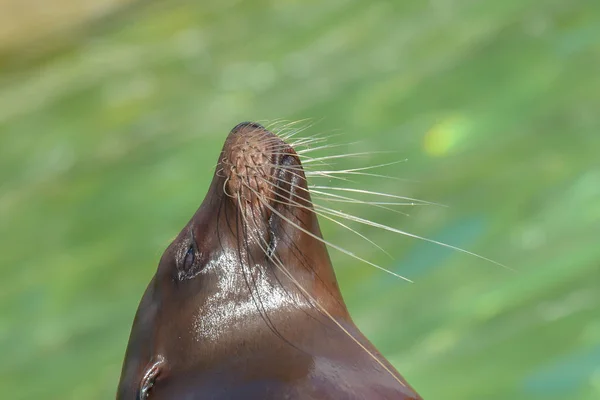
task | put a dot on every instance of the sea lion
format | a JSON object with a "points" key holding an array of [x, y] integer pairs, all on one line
{"points": [[245, 303]]}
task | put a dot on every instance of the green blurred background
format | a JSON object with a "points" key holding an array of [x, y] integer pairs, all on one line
{"points": [[112, 118]]}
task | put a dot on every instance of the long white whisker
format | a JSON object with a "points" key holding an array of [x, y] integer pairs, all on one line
{"points": [[325, 146], [372, 166], [366, 153], [333, 246], [276, 261], [358, 171], [390, 229], [296, 204], [381, 205], [349, 199], [345, 189]]}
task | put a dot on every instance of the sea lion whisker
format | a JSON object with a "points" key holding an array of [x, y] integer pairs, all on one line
{"points": [[307, 145], [380, 205], [299, 152], [270, 257], [289, 124], [318, 174], [273, 123], [285, 125], [358, 171], [326, 147], [260, 307], [333, 246], [293, 247], [225, 188], [290, 245], [318, 135], [412, 235], [270, 123], [344, 199], [299, 168], [371, 166], [283, 269], [358, 201], [255, 299], [342, 214], [301, 142], [288, 132], [362, 191], [388, 228], [291, 168], [364, 153], [352, 200], [250, 283], [321, 214], [368, 203], [311, 168], [334, 197], [219, 172]]}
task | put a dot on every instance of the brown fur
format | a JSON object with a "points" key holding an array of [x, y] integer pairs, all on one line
{"points": [[245, 303]]}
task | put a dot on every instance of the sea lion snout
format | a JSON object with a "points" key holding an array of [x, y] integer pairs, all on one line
{"points": [[251, 156]]}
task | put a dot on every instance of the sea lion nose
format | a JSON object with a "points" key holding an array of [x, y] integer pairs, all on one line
{"points": [[247, 160], [247, 126]]}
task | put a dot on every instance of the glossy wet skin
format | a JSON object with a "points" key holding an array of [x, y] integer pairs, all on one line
{"points": [[245, 303]]}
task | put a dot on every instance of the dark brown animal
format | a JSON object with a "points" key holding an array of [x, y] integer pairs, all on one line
{"points": [[245, 303]]}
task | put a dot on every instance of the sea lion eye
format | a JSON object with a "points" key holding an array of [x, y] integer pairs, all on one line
{"points": [[188, 263], [190, 256]]}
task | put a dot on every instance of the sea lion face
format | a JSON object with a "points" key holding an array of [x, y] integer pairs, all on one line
{"points": [[248, 259]]}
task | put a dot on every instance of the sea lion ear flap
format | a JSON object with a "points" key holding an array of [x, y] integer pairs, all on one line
{"points": [[152, 372]]}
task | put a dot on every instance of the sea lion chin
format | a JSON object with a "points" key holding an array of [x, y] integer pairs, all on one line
{"points": [[245, 303]]}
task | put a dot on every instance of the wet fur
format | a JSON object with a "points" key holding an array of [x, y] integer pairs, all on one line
{"points": [[245, 303]]}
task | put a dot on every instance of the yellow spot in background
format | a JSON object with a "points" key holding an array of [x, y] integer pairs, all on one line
{"points": [[446, 135]]}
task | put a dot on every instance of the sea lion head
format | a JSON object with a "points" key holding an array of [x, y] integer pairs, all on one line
{"points": [[248, 261]]}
